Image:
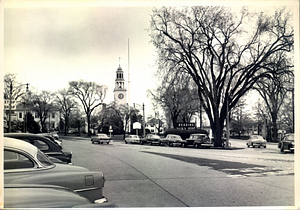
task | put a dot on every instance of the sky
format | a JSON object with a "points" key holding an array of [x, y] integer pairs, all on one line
{"points": [[48, 46], [49, 43]]}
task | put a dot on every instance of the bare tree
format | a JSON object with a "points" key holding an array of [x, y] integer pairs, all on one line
{"points": [[221, 53], [66, 103], [42, 104], [273, 90], [91, 96], [13, 91], [177, 97]]}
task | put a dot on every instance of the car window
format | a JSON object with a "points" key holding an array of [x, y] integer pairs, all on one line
{"points": [[41, 145], [14, 160], [44, 159], [289, 138]]}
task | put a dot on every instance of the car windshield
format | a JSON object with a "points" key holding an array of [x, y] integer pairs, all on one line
{"points": [[257, 137], [155, 136], [134, 136], [44, 159], [290, 137]]}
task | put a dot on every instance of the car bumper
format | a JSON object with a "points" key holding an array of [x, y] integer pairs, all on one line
{"points": [[101, 200]]}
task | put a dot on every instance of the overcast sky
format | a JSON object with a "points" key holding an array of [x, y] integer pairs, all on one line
{"points": [[49, 44]]}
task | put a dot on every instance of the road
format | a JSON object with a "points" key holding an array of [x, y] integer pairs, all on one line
{"points": [[162, 176]]}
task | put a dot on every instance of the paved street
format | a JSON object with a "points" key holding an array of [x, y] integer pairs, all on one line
{"points": [[161, 176]]}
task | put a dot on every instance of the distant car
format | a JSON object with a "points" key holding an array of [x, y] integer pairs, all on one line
{"points": [[256, 140], [46, 196], [101, 138], [132, 139], [26, 164], [287, 143], [173, 140], [202, 140], [44, 144], [151, 139]]}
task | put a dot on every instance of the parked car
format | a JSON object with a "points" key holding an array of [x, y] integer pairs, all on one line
{"points": [[173, 140], [202, 140], [151, 139], [256, 140], [101, 138], [44, 144], [190, 141], [132, 139], [287, 143], [52, 138], [26, 164], [46, 196]]}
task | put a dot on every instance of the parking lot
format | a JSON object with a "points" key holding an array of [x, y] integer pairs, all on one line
{"points": [[162, 176]]}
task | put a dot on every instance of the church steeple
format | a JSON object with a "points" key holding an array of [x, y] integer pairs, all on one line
{"points": [[120, 90]]}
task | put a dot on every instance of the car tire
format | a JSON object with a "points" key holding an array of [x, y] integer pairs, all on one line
{"points": [[248, 145], [171, 144], [125, 142], [92, 142], [265, 146], [107, 142], [282, 148]]}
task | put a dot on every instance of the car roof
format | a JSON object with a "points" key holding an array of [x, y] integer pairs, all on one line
{"points": [[20, 145], [25, 135]]}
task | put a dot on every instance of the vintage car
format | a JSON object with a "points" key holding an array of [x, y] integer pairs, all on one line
{"points": [[287, 143], [101, 138], [151, 139], [132, 139], [202, 140], [52, 138], [26, 164], [26, 196], [173, 140], [191, 140], [256, 140], [44, 144]]}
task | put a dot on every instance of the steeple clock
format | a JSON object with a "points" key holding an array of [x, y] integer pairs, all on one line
{"points": [[120, 90]]}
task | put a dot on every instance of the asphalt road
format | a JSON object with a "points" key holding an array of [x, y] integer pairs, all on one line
{"points": [[161, 176]]}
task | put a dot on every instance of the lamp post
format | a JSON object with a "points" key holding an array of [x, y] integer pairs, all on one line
{"points": [[227, 120]]}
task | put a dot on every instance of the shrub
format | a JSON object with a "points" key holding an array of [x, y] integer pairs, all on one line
{"points": [[184, 133]]}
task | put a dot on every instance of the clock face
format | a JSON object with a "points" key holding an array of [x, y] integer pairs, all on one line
{"points": [[121, 96]]}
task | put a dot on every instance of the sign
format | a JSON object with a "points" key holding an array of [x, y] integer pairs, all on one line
{"points": [[185, 124], [137, 125]]}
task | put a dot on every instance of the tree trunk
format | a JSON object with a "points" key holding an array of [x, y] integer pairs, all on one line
{"points": [[88, 117], [274, 127]]}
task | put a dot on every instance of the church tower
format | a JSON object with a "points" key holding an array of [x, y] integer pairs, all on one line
{"points": [[120, 90]]}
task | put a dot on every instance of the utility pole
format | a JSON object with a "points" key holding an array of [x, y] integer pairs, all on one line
{"points": [[144, 130], [9, 113]]}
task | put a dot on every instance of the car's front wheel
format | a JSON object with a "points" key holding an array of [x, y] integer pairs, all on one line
{"points": [[282, 148]]}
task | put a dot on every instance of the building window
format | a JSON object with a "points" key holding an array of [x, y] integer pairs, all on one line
{"points": [[53, 115], [20, 115]]}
